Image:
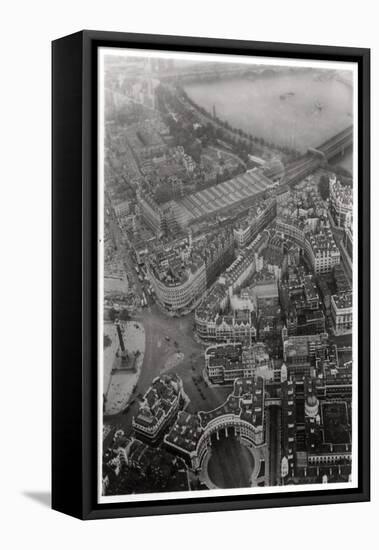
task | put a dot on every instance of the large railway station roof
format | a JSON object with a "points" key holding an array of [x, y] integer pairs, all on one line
{"points": [[223, 195]]}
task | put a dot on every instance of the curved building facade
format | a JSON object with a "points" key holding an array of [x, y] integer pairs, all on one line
{"points": [[182, 295], [243, 411]]}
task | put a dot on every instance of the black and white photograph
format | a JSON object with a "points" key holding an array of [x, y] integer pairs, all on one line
{"points": [[188, 283], [227, 273]]}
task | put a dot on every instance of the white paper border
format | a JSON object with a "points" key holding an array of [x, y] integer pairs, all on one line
{"points": [[261, 60]]}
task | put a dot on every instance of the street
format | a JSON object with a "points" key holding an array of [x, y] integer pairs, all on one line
{"points": [[274, 444]]}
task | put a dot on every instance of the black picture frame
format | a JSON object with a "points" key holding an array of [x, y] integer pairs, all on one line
{"points": [[74, 273]]}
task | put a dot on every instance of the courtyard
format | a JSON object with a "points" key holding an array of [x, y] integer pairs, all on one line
{"points": [[231, 464]]}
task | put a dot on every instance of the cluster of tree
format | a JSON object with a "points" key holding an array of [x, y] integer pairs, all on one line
{"points": [[128, 114], [153, 479], [184, 126], [183, 132]]}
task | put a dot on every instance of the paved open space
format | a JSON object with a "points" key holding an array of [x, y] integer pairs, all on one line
{"points": [[164, 337], [231, 464]]}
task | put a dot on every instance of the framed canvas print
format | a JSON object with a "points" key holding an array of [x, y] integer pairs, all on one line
{"points": [[210, 275]]}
